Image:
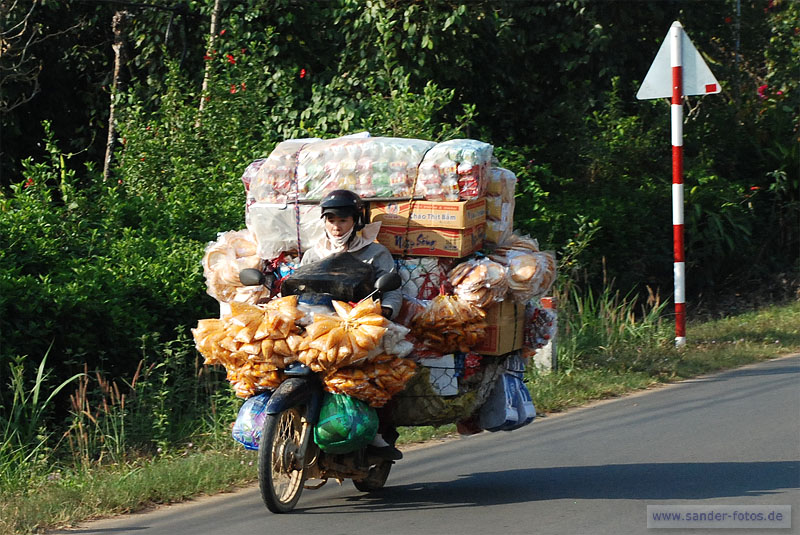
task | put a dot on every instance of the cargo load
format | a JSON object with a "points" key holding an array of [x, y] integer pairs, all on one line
{"points": [[383, 167], [470, 282]]}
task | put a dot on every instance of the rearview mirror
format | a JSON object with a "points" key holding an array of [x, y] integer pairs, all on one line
{"points": [[251, 277], [388, 282]]}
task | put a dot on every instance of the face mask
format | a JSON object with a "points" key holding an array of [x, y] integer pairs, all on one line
{"points": [[340, 242]]}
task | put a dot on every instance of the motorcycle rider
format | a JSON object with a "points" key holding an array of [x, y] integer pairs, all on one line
{"points": [[343, 211]]}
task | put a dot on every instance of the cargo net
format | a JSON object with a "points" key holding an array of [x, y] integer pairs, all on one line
{"points": [[449, 390]]}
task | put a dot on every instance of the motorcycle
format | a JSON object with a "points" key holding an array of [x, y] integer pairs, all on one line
{"points": [[288, 456]]}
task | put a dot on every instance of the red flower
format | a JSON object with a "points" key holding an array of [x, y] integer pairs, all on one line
{"points": [[755, 188], [28, 183], [728, 20], [762, 91], [207, 57], [243, 86], [302, 73], [231, 59], [244, 51], [223, 32], [233, 88], [119, 181]]}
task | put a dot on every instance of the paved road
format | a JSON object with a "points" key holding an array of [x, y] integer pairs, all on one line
{"points": [[727, 439]]}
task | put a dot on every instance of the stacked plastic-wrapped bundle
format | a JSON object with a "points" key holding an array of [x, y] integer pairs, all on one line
{"points": [[232, 252], [500, 205], [271, 180], [455, 169], [372, 167]]}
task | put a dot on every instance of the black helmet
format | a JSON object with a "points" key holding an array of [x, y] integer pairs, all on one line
{"points": [[343, 203]]}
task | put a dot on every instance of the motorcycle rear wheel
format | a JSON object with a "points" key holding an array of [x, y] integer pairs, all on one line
{"points": [[376, 478], [280, 473]]}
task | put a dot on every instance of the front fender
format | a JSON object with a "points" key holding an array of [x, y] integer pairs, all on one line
{"points": [[296, 391]]}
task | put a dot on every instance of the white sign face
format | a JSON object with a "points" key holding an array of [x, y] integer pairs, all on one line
{"points": [[697, 77]]}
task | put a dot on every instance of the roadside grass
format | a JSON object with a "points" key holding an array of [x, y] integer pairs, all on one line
{"points": [[711, 346], [60, 496]]}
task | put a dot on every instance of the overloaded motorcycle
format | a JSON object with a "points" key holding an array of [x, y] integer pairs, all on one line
{"points": [[288, 455]]}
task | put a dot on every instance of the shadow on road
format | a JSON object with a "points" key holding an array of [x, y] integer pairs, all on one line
{"points": [[644, 481], [747, 372]]}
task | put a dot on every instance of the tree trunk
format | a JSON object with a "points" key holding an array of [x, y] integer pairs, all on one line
{"points": [[207, 76], [118, 24]]}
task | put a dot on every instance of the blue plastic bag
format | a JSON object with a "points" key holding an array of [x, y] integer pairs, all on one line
{"points": [[509, 406], [250, 421]]}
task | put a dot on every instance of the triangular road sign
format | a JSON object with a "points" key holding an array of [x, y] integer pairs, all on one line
{"points": [[697, 77]]}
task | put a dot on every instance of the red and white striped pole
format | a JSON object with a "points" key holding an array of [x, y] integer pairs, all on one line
{"points": [[679, 263]]}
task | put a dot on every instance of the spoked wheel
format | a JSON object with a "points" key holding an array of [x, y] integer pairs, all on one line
{"points": [[376, 478], [280, 472]]}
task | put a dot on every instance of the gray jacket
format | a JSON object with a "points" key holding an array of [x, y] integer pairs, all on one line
{"points": [[381, 259]]}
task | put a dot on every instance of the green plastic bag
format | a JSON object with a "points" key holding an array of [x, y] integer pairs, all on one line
{"points": [[345, 424]]}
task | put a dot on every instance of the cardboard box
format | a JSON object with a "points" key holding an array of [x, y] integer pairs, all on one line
{"points": [[504, 332], [437, 214], [421, 241]]}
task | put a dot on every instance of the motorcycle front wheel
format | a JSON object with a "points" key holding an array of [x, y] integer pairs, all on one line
{"points": [[280, 473]]}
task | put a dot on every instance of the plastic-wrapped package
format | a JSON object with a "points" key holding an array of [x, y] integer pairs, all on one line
{"points": [[449, 324], [250, 421], [232, 252], [248, 177], [500, 218], [531, 273], [253, 343], [272, 180], [497, 232], [394, 342], [422, 276], [456, 169], [274, 226], [480, 282], [372, 167], [494, 207], [374, 382], [540, 326], [343, 339], [410, 308], [502, 182]]}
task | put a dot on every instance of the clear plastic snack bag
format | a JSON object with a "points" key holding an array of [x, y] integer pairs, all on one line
{"points": [[250, 421]]}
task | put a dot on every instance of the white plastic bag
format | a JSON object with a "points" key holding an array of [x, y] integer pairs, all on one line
{"points": [[275, 227]]}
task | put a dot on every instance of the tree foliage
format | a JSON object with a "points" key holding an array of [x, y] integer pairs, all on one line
{"points": [[110, 272]]}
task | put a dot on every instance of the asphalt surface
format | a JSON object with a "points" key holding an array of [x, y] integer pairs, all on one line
{"points": [[727, 439]]}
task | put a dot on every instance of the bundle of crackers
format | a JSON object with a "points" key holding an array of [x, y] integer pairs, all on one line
{"points": [[531, 272]]}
